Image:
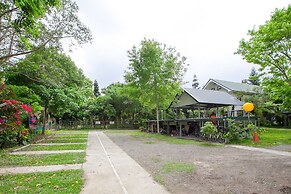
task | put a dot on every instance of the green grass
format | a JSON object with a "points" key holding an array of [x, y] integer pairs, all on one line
{"points": [[270, 137], [69, 136], [64, 141], [69, 181], [40, 160], [69, 131], [55, 147], [160, 179], [169, 167]]}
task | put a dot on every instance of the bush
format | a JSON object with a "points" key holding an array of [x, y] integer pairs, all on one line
{"points": [[209, 129], [234, 132], [12, 113]]}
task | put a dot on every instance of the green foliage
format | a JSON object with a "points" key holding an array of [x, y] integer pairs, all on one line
{"points": [[269, 47], [54, 78], [155, 72], [254, 77], [234, 132], [12, 115], [96, 89], [28, 13], [127, 108], [209, 129], [27, 26]]}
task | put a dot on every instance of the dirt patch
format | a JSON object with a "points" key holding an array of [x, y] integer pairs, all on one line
{"points": [[216, 169]]}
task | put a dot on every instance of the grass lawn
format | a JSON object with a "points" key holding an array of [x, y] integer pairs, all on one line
{"points": [[166, 138], [69, 131], [64, 141], [69, 136], [55, 147], [270, 137], [69, 181], [40, 160]]}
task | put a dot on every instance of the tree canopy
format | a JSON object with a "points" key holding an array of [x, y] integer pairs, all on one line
{"points": [[27, 26], [54, 77], [269, 46], [155, 73]]}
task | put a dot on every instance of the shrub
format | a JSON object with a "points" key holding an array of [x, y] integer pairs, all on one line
{"points": [[234, 132], [209, 129], [12, 113]]}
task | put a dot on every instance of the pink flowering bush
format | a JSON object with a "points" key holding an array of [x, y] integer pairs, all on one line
{"points": [[12, 115]]}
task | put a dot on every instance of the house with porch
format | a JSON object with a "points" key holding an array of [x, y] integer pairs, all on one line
{"points": [[206, 102]]}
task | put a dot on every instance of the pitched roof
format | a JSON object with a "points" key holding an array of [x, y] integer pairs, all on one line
{"points": [[207, 98], [234, 86]]}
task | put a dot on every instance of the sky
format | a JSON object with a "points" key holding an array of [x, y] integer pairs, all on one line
{"points": [[207, 32]]}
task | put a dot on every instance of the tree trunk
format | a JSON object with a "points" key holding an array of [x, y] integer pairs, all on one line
{"points": [[157, 103], [158, 122], [44, 120]]}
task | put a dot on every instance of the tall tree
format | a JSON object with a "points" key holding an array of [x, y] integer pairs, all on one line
{"points": [[96, 88], [195, 83], [269, 47], [155, 72]]}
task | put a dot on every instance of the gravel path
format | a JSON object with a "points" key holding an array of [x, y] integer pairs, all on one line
{"points": [[217, 169]]}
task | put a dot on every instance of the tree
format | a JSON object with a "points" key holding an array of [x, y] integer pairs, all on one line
{"points": [[155, 73], [269, 47], [55, 78], [96, 89], [195, 83], [254, 78], [27, 26]]}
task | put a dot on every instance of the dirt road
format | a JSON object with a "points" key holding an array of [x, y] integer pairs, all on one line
{"points": [[217, 169]]}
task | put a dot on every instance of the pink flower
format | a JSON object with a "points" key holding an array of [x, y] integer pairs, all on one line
{"points": [[14, 101], [18, 122], [17, 114], [26, 108], [2, 121]]}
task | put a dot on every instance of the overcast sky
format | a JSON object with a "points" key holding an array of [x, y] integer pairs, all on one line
{"points": [[207, 32]]}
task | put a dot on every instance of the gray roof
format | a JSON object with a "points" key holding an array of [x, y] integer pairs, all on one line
{"points": [[210, 98], [235, 86]]}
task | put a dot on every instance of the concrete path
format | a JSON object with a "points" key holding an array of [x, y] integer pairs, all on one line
{"points": [[108, 169], [276, 152], [33, 169]]}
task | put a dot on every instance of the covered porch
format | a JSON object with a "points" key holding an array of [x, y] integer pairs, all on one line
{"points": [[195, 107]]}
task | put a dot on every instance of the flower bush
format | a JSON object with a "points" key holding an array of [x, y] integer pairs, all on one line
{"points": [[12, 115]]}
